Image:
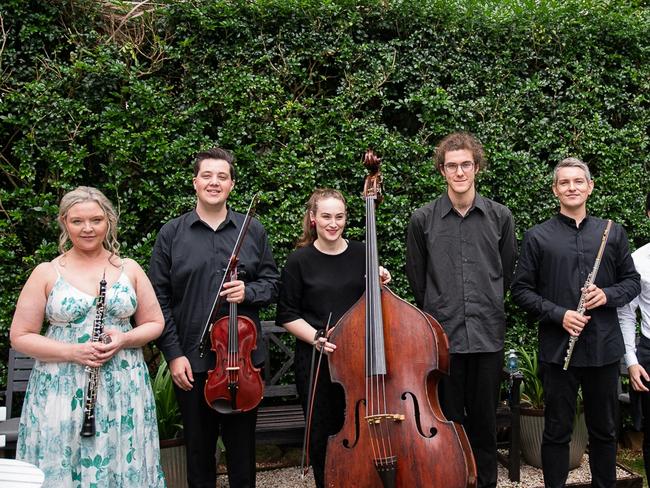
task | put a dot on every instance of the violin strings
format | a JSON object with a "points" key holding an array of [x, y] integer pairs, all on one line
{"points": [[233, 351]]}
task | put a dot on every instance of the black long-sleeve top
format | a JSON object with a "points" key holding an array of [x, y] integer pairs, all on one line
{"points": [[315, 284], [186, 268], [459, 269], [556, 258]]}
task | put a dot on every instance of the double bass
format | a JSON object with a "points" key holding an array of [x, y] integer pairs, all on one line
{"points": [[389, 359], [234, 385]]}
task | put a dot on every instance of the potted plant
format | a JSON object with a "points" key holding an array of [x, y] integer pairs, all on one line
{"points": [[532, 417], [172, 445]]}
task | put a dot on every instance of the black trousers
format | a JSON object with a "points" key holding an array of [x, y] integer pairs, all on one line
{"points": [[643, 355], [600, 401], [469, 396], [201, 428], [328, 412]]}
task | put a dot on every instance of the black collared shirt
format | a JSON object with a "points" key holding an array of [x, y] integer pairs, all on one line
{"points": [[460, 267], [556, 258], [186, 268]]}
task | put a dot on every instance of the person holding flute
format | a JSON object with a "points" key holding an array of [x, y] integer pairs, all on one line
{"points": [[553, 282]]}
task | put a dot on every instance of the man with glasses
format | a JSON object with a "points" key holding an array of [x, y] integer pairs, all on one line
{"points": [[460, 256], [556, 258]]}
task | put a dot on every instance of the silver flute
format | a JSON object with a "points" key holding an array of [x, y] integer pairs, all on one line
{"points": [[92, 374], [583, 296]]}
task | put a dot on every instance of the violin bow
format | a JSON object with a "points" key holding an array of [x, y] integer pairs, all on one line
{"points": [[313, 382], [232, 264]]}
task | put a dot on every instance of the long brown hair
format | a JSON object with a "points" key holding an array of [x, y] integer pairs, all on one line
{"points": [[308, 231]]}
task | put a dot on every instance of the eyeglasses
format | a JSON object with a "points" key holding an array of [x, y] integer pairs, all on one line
{"points": [[452, 168]]}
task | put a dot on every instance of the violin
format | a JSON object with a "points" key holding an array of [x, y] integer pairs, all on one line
{"points": [[389, 360], [235, 384]]}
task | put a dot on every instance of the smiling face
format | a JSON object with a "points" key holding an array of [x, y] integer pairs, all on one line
{"points": [[572, 188], [213, 183], [459, 170], [87, 225], [329, 219]]}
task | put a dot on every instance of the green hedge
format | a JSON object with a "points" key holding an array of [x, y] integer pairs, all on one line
{"points": [[97, 93]]}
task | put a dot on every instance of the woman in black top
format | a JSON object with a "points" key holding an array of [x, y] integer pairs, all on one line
{"points": [[324, 275]]}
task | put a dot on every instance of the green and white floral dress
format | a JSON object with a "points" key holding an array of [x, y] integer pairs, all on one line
{"points": [[125, 451]]}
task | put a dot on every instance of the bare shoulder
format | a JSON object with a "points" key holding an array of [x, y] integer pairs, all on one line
{"points": [[45, 271], [132, 269], [42, 277]]}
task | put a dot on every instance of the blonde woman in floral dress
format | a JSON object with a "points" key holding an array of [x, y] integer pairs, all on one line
{"points": [[124, 452]]}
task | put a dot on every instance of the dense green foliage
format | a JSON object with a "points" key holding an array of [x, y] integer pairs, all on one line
{"points": [[96, 93]]}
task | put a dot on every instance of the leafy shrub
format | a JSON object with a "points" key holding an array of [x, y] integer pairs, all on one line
{"points": [[95, 93]]}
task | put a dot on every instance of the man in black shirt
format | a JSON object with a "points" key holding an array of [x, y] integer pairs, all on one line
{"points": [[556, 258], [187, 266], [461, 253]]}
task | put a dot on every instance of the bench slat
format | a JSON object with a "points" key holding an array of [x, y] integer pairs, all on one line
{"points": [[280, 424]]}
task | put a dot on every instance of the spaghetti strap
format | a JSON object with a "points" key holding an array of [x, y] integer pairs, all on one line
{"points": [[56, 267]]}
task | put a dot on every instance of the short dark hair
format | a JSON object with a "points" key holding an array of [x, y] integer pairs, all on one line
{"points": [[458, 141], [215, 153]]}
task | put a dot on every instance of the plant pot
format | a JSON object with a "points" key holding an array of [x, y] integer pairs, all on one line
{"points": [[172, 459], [532, 428]]}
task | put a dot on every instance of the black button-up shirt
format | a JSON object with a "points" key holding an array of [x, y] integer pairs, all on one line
{"points": [[556, 259], [460, 267], [186, 268]]}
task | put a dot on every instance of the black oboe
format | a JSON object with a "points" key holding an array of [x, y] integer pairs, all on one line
{"points": [[92, 374]]}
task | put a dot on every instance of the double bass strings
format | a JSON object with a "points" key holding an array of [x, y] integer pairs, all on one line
{"points": [[376, 405]]}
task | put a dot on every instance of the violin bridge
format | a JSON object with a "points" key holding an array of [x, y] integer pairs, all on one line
{"points": [[377, 419], [232, 368]]}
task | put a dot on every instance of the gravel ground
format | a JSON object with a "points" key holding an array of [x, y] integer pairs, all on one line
{"points": [[531, 477]]}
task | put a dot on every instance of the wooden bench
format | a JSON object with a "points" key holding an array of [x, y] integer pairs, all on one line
{"points": [[280, 419], [19, 368]]}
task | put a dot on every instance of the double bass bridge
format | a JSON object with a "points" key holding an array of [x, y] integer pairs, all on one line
{"points": [[384, 417]]}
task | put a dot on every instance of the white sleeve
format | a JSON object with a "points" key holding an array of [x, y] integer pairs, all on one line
{"points": [[627, 319]]}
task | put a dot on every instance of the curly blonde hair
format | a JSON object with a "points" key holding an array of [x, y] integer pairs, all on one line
{"points": [[89, 194]]}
